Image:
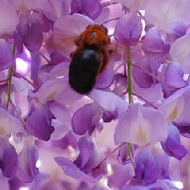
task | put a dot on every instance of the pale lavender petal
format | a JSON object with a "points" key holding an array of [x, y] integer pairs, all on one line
{"points": [[5, 54], [135, 187], [176, 107], [68, 139], [59, 90], [180, 52], [104, 16], [92, 8], [39, 122], [64, 36], [100, 187], [161, 13], [56, 58], [120, 84], [142, 78], [173, 79], [86, 148], [10, 124], [121, 174], [8, 158], [93, 114], [8, 18], [122, 158], [75, 6], [146, 166], [174, 76], [128, 29], [4, 183], [153, 94], [105, 79], [132, 5], [62, 120], [163, 160], [141, 125], [154, 43], [72, 170], [27, 159], [109, 101], [175, 30], [172, 145], [32, 36]]}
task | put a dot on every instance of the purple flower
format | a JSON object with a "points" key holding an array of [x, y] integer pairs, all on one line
{"points": [[122, 158], [175, 30], [30, 30], [61, 121], [5, 54], [8, 12], [63, 37], [84, 167], [142, 78], [8, 158], [128, 29], [141, 125], [180, 52], [27, 159], [93, 114], [39, 122], [109, 102], [4, 183], [172, 145], [91, 8], [173, 79], [10, 124], [120, 176], [176, 107], [155, 44], [146, 166]]}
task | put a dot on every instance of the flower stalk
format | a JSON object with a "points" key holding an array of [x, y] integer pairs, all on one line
{"points": [[9, 78], [129, 76], [129, 89]]}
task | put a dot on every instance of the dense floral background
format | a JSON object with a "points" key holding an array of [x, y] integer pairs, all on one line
{"points": [[131, 132]]}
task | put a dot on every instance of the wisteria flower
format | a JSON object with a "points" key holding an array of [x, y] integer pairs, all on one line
{"points": [[141, 125], [130, 131]]}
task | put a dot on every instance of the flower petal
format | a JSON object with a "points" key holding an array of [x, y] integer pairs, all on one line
{"points": [[172, 145], [5, 55], [109, 101], [146, 166], [128, 29], [93, 114], [39, 123], [27, 159], [64, 36], [154, 43], [141, 125], [8, 158], [8, 12]]}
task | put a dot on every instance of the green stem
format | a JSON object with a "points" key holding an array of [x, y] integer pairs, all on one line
{"points": [[129, 89], [129, 76], [9, 78]]}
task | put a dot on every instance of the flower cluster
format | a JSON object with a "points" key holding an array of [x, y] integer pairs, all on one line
{"points": [[129, 131]]}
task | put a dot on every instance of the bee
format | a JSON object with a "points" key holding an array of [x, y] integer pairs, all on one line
{"points": [[89, 59]]}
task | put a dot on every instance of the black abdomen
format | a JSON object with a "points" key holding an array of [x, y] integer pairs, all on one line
{"points": [[83, 70]]}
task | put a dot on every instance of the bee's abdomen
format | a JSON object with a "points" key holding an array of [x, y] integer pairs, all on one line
{"points": [[83, 70]]}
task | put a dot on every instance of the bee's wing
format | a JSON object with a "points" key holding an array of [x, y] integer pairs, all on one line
{"points": [[66, 30]]}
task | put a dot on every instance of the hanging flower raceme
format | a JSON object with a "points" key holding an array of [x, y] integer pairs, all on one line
{"points": [[129, 129]]}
